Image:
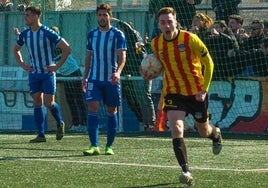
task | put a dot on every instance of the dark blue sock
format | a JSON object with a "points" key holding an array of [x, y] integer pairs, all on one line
{"points": [[93, 128], [56, 113], [111, 128], [40, 117]]}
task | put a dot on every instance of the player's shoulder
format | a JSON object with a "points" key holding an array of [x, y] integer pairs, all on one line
{"points": [[50, 33], [25, 30], [192, 36], [185, 32], [45, 28], [92, 31], [157, 38], [117, 30]]}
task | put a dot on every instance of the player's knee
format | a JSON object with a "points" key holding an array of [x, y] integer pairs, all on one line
{"points": [[203, 129], [111, 110], [49, 104], [177, 129]]}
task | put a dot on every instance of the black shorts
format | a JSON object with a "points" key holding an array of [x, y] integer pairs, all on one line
{"points": [[189, 105]]}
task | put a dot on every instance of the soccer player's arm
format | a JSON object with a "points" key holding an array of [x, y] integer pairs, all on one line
{"points": [[86, 71], [206, 61], [18, 56], [121, 53], [121, 60], [66, 51]]}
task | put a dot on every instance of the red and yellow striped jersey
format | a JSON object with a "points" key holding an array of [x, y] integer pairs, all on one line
{"points": [[188, 66]]}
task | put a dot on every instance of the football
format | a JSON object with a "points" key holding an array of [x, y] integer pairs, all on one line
{"points": [[150, 67]]}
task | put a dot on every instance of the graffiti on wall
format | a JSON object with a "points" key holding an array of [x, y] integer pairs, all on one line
{"points": [[237, 105]]}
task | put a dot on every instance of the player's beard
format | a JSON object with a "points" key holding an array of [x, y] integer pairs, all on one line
{"points": [[102, 24]]}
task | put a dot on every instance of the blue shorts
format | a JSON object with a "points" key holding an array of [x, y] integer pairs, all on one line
{"points": [[103, 91], [40, 82]]}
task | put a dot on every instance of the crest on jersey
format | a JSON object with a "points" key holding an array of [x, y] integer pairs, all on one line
{"points": [[181, 47]]}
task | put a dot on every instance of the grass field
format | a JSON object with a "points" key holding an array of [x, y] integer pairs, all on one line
{"points": [[140, 161]]}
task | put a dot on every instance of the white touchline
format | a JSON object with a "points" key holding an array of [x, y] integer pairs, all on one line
{"points": [[142, 165]]}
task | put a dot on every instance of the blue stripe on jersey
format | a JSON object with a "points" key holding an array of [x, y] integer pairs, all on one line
{"points": [[41, 45], [103, 46], [97, 55], [39, 57]]}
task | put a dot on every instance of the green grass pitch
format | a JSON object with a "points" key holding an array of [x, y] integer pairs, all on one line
{"points": [[142, 160]]}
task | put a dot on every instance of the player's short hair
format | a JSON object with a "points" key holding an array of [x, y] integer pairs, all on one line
{"points": [[34, 10], [105, 6], [166, 10]]}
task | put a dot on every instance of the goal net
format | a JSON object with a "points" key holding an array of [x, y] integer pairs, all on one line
{"points": [[238, 92]]}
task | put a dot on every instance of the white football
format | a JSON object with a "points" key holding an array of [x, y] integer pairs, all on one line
{"points": [[150, 67]]}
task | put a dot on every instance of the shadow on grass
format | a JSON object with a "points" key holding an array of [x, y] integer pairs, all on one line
{"points": [[10, 158], [175, 184], [34, 149]]}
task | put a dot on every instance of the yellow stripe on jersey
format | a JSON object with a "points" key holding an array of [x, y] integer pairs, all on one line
{"points": [[188, 66]]}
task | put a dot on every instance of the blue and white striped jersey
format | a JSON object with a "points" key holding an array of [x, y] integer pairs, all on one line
{"points": [[41, 45], [103, 46]]}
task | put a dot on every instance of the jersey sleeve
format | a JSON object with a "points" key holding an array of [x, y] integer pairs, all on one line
{"points": [[205, 59], [20, 38], [121, 41], [55, 37], [89, 41]]}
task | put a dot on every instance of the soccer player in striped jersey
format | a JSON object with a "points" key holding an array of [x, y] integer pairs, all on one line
{"points": [[41, 42], [188, 69], [104, 62]]}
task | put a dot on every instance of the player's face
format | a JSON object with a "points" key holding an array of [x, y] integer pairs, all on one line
{"points": [[30, 18], [168, 24], [103, 19]]}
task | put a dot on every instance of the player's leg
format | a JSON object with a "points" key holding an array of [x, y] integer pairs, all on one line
{"points": [[39, 116], [214, 133], [206, 130], [112, 125], [49, 90], [176, 109], [93, 128], [39, 111], [176, 119], [93, 98], [112, 101], [54, 107]]}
